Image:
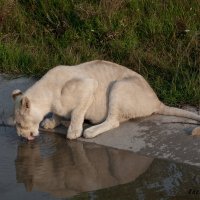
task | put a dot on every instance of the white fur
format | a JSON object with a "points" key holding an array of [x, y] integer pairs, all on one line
{"points": [[103, 92]]}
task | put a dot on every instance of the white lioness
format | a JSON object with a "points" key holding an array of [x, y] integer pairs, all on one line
{"points": [[102, 92]]}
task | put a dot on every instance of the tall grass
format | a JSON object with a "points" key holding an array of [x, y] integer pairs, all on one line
{"points": [[160, 39]]}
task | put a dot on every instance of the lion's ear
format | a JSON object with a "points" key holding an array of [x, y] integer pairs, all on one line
{"points": [[16, 93], [25, 104]]}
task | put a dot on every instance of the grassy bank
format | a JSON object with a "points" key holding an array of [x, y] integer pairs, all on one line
{"points": [[160, 39]]}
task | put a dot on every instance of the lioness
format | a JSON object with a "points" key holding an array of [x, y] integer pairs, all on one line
{"points": [[102, 92]]}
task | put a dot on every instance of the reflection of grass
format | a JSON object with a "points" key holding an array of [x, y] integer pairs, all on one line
{"points": [[159, 39]]}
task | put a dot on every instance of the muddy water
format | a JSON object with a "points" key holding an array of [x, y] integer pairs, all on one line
{"points": [[51, 168]]}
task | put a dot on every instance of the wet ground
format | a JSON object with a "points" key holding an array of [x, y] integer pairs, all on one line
{"points": [[53, 168], [149, 158]]}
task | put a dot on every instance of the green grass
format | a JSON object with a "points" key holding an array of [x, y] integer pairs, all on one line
{"points": [[147, 36]]}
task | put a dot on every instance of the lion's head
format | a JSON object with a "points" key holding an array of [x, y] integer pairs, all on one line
{"points": [[26, 117]]}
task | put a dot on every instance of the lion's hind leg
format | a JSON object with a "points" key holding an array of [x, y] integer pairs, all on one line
{"points": [[103, 127], [113, 118], [129, 98]]}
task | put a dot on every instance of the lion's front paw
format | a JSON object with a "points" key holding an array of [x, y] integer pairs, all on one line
{"points": [[74, 134], [48, 124]]}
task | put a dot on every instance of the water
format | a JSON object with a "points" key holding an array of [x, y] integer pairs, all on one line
{"points": [[52, 168]]}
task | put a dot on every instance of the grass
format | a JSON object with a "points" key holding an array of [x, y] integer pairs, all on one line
{"points": [[158, 39]]}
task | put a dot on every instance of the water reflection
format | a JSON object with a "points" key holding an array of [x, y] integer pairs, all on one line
{"points": [[65, 168]]}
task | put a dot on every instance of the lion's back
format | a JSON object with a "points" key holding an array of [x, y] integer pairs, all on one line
{"points": [[106, 73]]}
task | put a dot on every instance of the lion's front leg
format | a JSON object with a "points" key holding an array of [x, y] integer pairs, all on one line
{"points": [[76, 126], [50, 123], [86, 90]]}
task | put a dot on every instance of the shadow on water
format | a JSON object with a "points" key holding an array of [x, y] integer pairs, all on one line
{"points": [[52, 168]]}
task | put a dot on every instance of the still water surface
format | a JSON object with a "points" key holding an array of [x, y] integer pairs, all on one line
{"points": [[53, 168]]}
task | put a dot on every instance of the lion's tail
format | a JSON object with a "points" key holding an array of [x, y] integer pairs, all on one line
{"points": [[171, 111]]}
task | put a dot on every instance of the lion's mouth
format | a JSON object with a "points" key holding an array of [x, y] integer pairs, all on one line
{"points": [[30, 137]]}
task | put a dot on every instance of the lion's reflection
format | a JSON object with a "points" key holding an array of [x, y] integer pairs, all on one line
{"points": [[67, 168]]}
